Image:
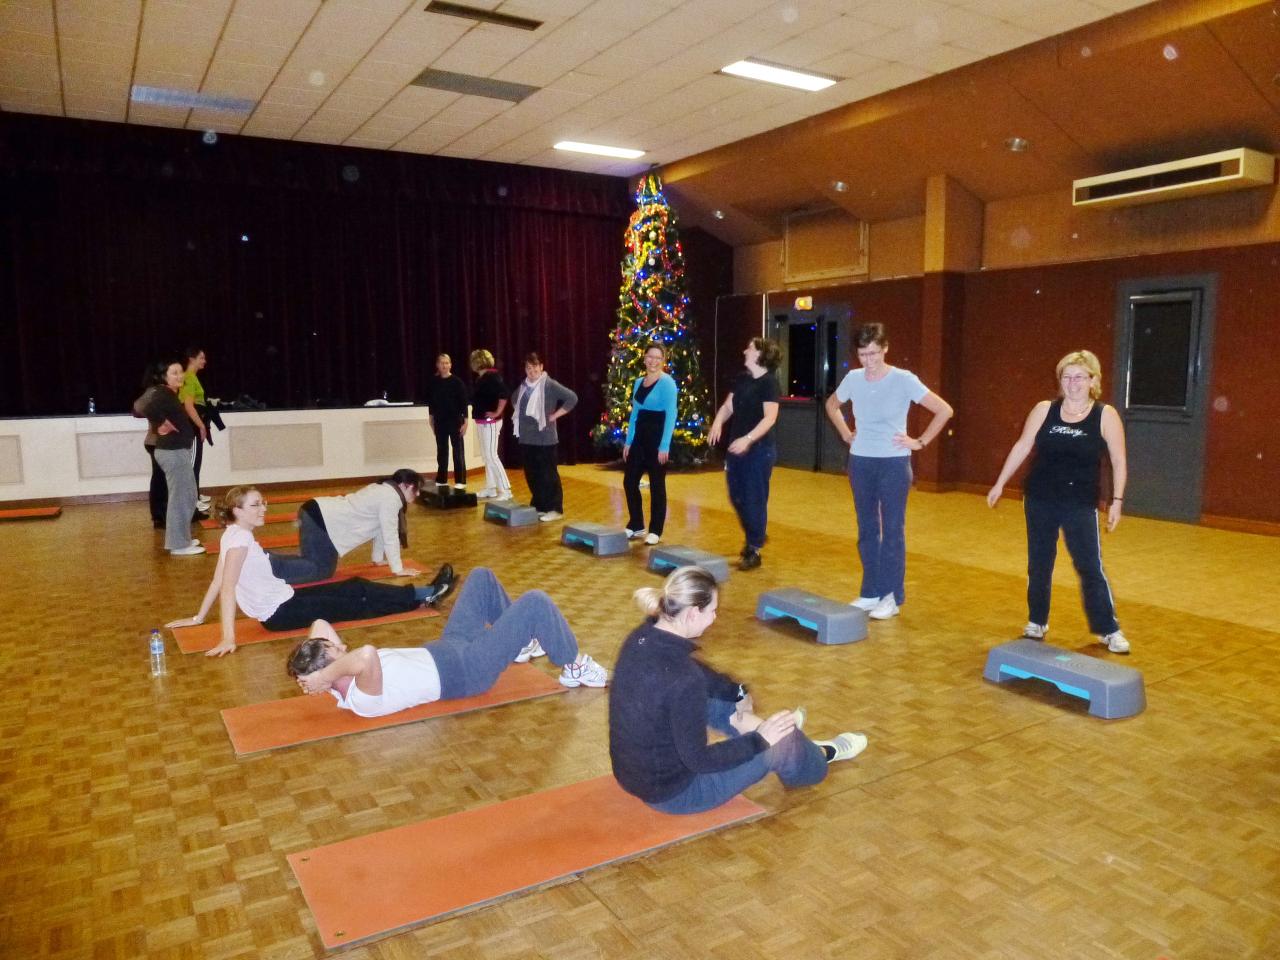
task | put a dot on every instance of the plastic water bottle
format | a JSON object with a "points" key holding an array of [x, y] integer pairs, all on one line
{"points": [[93, 407], [157, 654]]}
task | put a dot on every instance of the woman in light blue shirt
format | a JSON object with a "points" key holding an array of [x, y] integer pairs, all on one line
{"points": [[653, 420], [879, 397]]}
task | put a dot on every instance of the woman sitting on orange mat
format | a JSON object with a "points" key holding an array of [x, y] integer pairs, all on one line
{"points": [[485, 633], [663, 700], [244, 578]]}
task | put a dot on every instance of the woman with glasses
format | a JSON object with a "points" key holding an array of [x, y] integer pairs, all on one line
{"points": [[879, 397], [243, 578], [1069, 436]]}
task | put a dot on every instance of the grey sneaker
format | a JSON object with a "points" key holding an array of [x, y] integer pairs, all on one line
{"points": [[1035, 631], [846, 745], [530, 650], [1115, 642], [584, 672]]}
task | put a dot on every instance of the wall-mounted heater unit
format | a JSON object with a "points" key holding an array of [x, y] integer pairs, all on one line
{"points": [[1212, 173]]}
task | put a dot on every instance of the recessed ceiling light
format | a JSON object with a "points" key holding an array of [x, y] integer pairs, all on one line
{"points": [[598, 149], [1017, 144], [785, 76], [718, 214], [839, 186]]}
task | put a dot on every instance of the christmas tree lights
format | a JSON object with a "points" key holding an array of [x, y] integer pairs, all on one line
{"points": [[651, 308]]}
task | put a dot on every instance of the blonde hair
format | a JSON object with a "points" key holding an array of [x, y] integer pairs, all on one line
{"points": [[1086, 359], [684, 587], [481, 360], [232, 499]]}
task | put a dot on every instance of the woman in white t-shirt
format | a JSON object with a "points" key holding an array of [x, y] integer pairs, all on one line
{"points": [[244, 578], [879, 397], [485, 633]]}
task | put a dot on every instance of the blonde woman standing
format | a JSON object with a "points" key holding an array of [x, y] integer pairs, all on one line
{"points": [[488, 404], [1068, 437]]}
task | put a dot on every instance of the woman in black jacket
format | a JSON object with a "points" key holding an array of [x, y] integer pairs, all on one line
{"points": [[663, 700]]}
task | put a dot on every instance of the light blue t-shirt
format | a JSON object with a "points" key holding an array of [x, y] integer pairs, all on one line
{"points": [[880, 410]]}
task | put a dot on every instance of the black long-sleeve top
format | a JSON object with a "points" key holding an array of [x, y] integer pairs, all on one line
{"points": [[658, 716], [162, 405], [447, 401]]}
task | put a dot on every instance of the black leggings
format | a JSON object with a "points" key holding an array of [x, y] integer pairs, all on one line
{"points": [[355, 599]]}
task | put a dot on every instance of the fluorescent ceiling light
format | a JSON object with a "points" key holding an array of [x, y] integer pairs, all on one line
{"points": [[768, 73], [599, 150]]}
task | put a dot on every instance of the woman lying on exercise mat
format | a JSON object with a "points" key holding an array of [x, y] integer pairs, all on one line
{"points": [[663, 700], [244, 578], [485, 633]]}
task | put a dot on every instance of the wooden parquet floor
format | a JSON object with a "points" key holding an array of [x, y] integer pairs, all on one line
{"points": [[982, 822]]}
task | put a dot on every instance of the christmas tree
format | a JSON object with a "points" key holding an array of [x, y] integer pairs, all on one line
{"points": [[651, 308]]}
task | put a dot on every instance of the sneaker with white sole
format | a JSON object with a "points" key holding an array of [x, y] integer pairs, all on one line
{"points": [[652, 539], [1115, 642], [487, 495], [530, 650], [885, 609], [194, 542], [194, 550], [203, 502], [800, 713], [865, 603], [634, 534], [1035, 631], [550, 515], [584, 672], [846, 745]]}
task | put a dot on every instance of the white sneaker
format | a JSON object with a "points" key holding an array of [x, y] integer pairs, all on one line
{"points": [[800, 713], [652, 538], [865, 603], [192, 551], [194, 542], [550, 515], [1035, 631], [846, 745], [633, 534], [459, 486], [584, 672], [203, 502], [530, 650], [885, 609], [486, 495], [1115, 642]]}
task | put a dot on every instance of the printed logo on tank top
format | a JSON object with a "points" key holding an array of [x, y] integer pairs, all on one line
{"points": [[1067, 431]]}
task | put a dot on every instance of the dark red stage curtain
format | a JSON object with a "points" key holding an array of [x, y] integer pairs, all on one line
{"points": [[313, 275]]}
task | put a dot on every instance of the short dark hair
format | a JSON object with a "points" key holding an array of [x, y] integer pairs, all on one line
{"points": [[770, 352], [308, 656], [534, 357], [405, 475], [870, 333], [193, 352], [155, 373]]}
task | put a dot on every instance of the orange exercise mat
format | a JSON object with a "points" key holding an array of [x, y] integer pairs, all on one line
{"points": [[206, 636], [212, 524], [266, 543], [301, 719], [31, 513], [385, 882], [300, 496]]}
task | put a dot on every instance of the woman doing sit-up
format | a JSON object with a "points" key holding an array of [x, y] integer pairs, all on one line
{"points": [[663, 700], [243, 578], [485, 633]]}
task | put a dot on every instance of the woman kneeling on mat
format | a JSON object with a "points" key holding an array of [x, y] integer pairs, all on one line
{"points": [[663, 700], [485, 633], [243, 577], [329, 527]]}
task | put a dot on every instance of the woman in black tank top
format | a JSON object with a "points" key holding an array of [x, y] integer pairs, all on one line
{"points": [[1069, 436]]}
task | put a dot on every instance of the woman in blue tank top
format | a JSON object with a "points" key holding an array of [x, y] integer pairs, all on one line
{"points": [[1069, 436]]}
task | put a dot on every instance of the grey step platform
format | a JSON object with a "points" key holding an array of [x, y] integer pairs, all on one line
{"points": [[663, 559], [1111, 689], [510, 513], [834, 622], [602, 541]]}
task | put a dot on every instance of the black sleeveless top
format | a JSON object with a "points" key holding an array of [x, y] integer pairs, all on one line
{"points": [[1068, 458]]}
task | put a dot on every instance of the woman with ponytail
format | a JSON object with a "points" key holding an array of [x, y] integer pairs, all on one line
{"points": [[663, 700]]}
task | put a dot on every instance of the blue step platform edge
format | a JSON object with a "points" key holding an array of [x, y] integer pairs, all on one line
{"points": [[601, 540], [510, 513], [1111, 689], [664, 559], [833, 622]]}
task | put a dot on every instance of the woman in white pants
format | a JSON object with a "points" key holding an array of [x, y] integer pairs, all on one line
{"points": [[488, 403]]}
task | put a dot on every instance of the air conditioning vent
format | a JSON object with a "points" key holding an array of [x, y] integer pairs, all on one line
{"points": [[1212, 173]]}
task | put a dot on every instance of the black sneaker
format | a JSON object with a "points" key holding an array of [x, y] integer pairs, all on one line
{"points": [[750, 560], [442, 585]]}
